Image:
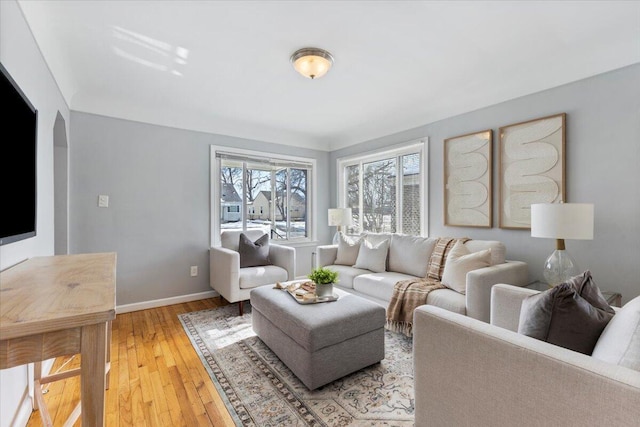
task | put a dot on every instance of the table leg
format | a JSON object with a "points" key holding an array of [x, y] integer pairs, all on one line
{"points": [[37, 388], [92, 376], [106, 386]]}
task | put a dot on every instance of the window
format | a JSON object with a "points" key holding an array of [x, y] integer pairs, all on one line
{"points": [[275, 193], [368, 184]]}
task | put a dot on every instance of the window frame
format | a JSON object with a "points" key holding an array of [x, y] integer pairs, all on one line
{"points": [[421, 146], [215, 190]]}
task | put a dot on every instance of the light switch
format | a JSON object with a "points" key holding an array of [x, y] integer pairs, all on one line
{"points": [[103, 201]]}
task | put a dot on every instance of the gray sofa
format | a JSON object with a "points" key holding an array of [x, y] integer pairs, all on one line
{"points": [[469, 373], [408, 257]]}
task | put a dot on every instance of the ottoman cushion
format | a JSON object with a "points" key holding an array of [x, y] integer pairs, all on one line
{"points": [[319, 343], [315, 326]]}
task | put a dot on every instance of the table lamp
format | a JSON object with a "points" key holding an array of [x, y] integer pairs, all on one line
{"points": [[337, 218], [561, 221]]}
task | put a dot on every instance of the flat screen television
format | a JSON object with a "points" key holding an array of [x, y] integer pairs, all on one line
{"points": [[18, 172]]}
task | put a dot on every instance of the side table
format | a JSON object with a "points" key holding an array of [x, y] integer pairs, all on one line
{"points": [[614, 299]]}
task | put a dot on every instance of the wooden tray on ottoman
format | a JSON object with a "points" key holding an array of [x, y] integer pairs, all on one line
{"points": [[298, 293]]}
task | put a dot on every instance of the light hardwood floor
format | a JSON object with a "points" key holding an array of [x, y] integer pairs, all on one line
{"points": [[157, 378]]}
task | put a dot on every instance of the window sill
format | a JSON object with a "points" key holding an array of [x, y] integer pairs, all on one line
{"points": [[296, 244]]}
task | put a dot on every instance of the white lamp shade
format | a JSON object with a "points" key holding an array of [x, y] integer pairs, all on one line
{"points": [[340, 216], [562, 220]]}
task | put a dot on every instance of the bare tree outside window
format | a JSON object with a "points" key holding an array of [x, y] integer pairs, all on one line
{"points": [[256, 180], [275, 197], [299, 184], [379, 200], [352, 178], [384, 193]]}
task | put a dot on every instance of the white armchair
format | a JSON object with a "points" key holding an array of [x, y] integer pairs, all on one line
{"points": [[235, 283]]}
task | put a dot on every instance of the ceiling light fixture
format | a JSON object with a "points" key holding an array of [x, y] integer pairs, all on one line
{"points": [[312, 62]]}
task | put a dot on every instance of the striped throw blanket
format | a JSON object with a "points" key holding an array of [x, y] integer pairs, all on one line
{"points": [[412, 293]]}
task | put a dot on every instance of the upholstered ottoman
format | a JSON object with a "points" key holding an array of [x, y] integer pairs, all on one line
{"points": [[319, 342]]}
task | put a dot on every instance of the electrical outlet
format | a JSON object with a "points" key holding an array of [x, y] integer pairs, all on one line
{"points": [[103, 201], [194, 270]]}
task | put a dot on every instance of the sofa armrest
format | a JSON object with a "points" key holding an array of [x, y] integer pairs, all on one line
{"points": [[506, 301], [500, 377], [480, 281], [224, 270], [285, 257], [326, 255]]}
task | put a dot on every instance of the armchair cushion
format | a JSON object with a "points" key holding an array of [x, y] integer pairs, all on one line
{"points": [[253, 254], [252, 277], [459, 262], [571, 315], [230, 239]]}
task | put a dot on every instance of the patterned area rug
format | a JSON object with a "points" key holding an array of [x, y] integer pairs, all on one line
{"points": [[259, 390]]}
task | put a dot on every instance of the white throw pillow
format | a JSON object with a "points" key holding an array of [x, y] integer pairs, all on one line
{"points": [[459, 262], [373, 258], [348, 249], [619, 343], [410, 254]]}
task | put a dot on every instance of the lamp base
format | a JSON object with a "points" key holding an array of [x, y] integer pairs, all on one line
{"points": [[559, 268], [336, 237]]}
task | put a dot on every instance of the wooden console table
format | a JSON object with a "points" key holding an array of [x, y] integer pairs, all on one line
{"points": [[55, 306]]}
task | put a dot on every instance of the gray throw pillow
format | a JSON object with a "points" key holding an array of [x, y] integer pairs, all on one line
{"points": [[254, 254], [571, 315]]}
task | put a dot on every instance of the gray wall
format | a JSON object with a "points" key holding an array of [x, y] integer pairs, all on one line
{"points": [[21, 57], [157, 180], [603, 158]]}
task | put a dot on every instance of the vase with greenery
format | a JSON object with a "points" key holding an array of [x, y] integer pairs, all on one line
{"points": [[324, 280]]}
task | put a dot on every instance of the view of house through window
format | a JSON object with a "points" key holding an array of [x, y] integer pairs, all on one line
{"points": [[369, 186], [264, 193]]}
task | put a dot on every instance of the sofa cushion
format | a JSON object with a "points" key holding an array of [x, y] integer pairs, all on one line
{"points": [[348, 248], [459, 262], [252, 277], [410, 254], [449, 300], [346, 274], [253, 254], [571, 315], [619, 343], [373, 257], [376, 238], [498, 249], [379, 285]]}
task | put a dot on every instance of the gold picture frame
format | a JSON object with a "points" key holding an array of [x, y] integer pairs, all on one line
{"points": [[468, 180], [532, 168]]}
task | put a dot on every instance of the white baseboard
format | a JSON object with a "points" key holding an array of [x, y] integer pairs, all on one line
{"points": [[126, 308]]}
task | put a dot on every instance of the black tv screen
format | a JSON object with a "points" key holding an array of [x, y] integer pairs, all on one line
{"points": [[18, 172]]}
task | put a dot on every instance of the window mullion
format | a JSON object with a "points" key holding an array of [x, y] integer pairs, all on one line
{"points": [[399, 193], [287, 193], [244, 196], [361, 197], [272, 205]]}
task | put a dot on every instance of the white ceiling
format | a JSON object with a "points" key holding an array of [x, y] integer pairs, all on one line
{"points": [[223, 66]]}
